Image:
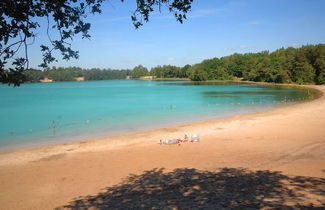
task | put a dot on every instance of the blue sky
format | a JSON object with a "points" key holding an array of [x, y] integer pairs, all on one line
{"points": [[214, 28]]}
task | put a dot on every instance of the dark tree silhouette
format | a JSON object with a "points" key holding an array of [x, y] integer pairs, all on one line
{"points": [[19, 21], [228, 188]]}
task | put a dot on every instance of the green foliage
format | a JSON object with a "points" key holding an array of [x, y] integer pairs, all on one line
{"points": [[19, 21], [184, 71], [305, 65], [33, 75], [65, 19], [196, 73], [171, 79], [169, 71], [70, 74], [139, 71], [320, 71], [178, 8]]}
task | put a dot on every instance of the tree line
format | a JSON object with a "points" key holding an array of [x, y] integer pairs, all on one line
{"points": [[71, 73], [304, 65], [65, 19]]}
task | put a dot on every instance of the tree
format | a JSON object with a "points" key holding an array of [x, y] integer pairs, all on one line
{"points": [[33, 75], [303, 71], [139, 71], [167, 71], [196, 73], [19, 21], [301, 65], [320, 70], [184, 71]]}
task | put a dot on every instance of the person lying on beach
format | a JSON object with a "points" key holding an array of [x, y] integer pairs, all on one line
{"points": [[194, 138], [170, 141]]}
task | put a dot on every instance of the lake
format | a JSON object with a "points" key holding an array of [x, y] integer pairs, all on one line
{"points": [[45, 113]]}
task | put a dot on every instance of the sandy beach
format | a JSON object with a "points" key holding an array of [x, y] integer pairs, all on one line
{"points": [[267, 159]]}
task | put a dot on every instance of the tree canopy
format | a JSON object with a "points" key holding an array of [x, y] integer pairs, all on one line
{"points": [[19, 22], [305, 65]]}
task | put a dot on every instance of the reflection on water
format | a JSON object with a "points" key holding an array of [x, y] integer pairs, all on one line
{"points": [[43, 113]]}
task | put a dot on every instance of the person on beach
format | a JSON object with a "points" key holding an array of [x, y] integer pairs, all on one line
{"points": [[195, 138], [54, 127]]}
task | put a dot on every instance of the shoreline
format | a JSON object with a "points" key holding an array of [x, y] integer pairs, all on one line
{"points": [[146, 127], [38, 143], [71, 144], [290, 139]]}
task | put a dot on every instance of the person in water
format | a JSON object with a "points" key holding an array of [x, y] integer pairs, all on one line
{"points": [[54, 127]]}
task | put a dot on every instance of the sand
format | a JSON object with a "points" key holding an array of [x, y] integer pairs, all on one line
{"points": [[268, 159]]}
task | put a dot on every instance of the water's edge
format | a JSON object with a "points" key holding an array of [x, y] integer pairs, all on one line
{"points": [[313, 92]]}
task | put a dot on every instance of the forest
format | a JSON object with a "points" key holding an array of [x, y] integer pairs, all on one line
{"points": [[304, 65], [70, 73]]}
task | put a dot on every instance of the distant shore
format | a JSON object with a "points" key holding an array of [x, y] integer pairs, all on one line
{"points": [[290, 139], [31, 135]]}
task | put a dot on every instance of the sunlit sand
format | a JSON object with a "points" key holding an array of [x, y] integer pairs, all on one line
{"points": [[289, 140]]}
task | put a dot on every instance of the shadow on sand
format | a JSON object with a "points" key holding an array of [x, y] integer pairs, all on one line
{"points": [[228, 188]]}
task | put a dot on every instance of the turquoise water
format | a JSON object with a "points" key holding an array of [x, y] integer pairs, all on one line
{"points": [[41, 113]]}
